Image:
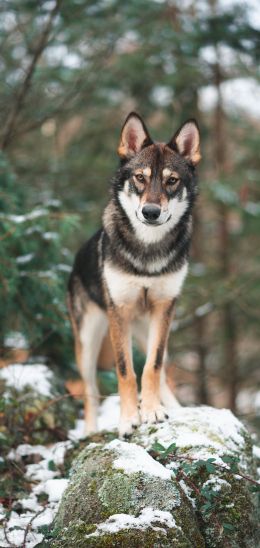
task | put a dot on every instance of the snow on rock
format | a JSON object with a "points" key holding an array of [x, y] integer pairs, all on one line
{"points": [[147, 517], [143, 495], [217, 483], [132, 459], [203, 429], [37, 376]]}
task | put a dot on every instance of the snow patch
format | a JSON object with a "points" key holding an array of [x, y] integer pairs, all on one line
{"points": [[200, 429], [34, 512], [50, 236], [108, 418], [188, 492], [18, 219], [77, 433], [147, 518], [109, 413], [256, 451], [217, 483], [55, 488], [37, 376], [15, 339], [133, 458], [30, 503], [24, 259]]}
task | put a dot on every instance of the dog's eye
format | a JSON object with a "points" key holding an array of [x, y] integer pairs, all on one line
{"points": [[139, 177], [172, 180]]}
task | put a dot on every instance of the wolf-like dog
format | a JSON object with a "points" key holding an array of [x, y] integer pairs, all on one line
{"points": [[132, 270]]}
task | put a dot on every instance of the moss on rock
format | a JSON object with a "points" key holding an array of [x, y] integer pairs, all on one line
{"points": [[119, 495], [100, 490]]}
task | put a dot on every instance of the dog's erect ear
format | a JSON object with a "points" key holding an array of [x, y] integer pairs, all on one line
{"points": [[187, 142], [134, 136]]}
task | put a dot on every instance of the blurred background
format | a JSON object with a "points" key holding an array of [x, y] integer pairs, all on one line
{"points": [[70, 73]]}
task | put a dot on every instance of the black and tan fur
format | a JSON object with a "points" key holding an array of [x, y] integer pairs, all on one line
{"points": [[127, 277]]}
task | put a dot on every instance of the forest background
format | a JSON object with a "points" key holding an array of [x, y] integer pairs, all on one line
{"points": [[70, 73]]}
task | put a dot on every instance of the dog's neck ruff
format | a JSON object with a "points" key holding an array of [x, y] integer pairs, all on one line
{"points": [[124, 249]]}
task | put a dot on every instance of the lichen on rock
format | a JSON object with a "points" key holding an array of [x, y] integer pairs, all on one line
{"points": [[119, 493]]}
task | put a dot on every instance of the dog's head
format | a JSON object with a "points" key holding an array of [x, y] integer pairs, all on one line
{"points": [[157, 182]]}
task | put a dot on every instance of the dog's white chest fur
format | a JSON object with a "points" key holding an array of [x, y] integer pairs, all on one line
{"points": [[126, 288]]}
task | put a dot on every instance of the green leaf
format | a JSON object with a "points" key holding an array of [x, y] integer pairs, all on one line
{"points": [[52, 466], [210, 467], [206, 507], [228, 526], [254, 488], [229, 459], [170, 449], [200, 463], [158, 447]]}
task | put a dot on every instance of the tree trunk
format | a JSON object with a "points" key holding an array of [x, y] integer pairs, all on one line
{"points": [[225, 250]]}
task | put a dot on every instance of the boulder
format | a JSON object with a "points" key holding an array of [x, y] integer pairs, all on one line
{"points": [[179, 483]]}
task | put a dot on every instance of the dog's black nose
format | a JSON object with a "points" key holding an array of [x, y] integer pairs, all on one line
{"points": [[151, 212]]}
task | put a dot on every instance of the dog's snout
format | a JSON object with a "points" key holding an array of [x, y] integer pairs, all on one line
{"points": [[151, 212]]}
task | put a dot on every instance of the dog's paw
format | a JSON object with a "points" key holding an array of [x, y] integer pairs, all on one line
{"points": [[127, 425], [153, 413]]}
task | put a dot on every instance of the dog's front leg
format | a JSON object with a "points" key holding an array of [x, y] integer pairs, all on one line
{"points": [[160, 320], [120, 332]]}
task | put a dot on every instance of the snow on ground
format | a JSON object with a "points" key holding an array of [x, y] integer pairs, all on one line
{"points": [[248, 401], [108, 418], [15, 339], [256, 451], [45, 480], [20, 376]]}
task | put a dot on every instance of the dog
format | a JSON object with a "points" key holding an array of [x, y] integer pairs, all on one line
{"points": [[127, 277]]}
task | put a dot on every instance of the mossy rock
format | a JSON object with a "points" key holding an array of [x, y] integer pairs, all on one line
{"points": [[120, 495], [206, 434]]}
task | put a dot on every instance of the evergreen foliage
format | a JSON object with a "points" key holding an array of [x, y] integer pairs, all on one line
{"points": [[71, 71]]}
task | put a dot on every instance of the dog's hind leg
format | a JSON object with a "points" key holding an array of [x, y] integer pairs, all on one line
{"points": [[88, 343], [166, 394]]}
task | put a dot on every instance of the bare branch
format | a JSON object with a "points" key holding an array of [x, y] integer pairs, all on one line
{"points": [[29, 525], [8, 129]]}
